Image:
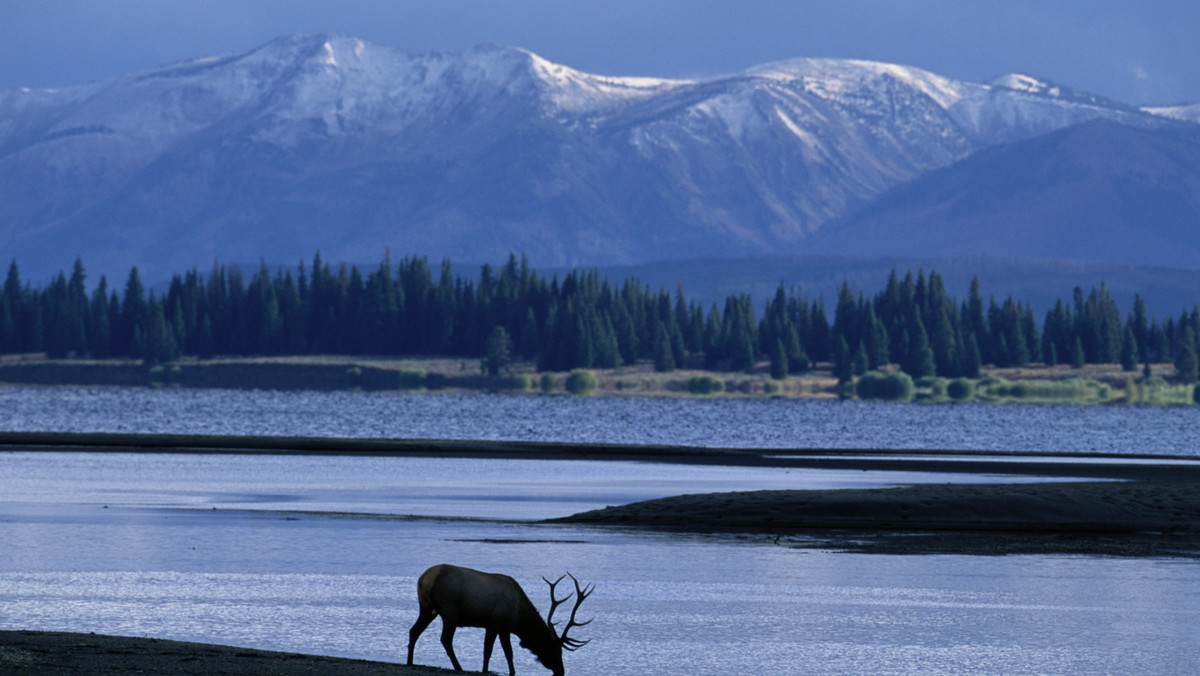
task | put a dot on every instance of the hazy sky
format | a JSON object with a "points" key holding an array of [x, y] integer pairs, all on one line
{"points": [[1137, 51]]}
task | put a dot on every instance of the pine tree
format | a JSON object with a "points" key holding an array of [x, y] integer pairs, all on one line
{"points": [[293, 320], [1056, 334], [1078, 359], [919, 362], [8, 327], [133, 314], [56, 311], [845, 316], [155, 342], [664, 358], [746, 356], [11, 311], [1187, 368], [498, 351], [796, 356], [608, 353], [843, 363], [264, 323], [99, 330], [1129, 350], [77, 304], [1141, 327], [971, 363], [530, 342], [877, 343], [973, 320], [712, 338], [678, 348], [945, 347], [1029, 330], [861, 362], [817, 343], [779, 361]]}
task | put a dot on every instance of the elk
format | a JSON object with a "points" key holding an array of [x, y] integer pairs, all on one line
{"points": [[495, 602]]}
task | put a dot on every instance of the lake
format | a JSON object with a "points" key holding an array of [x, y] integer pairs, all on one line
{"points": [[321, 553], [758, 423]]}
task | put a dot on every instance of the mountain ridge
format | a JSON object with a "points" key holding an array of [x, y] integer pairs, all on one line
{"points": [[325, 142]]}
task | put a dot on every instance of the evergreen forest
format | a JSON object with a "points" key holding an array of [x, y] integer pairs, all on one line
{"points": [[578, 321]]}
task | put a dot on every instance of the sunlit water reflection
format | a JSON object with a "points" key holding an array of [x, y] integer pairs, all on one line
{"points": [[209, 548], [321, 554], [708, 605]]}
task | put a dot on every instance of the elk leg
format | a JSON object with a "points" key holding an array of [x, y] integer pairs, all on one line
{"points": [[506, 643], [448, 643], [423, 619], [489, 640]]}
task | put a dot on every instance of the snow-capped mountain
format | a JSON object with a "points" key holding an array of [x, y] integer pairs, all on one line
{"points": [[318, 142]]}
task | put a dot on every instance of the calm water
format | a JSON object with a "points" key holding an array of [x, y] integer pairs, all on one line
{"points": [[734, 422], [321, 554], [263, 551]]}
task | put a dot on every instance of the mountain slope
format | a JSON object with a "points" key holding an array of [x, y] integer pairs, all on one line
{"points": [[1098, 192], [327, 143]]}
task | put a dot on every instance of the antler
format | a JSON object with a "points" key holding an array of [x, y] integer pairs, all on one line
{"points": [[581, 593], [554, 603]]}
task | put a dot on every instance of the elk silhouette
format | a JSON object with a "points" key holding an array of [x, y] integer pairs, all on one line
{"points": [[495, 602]]}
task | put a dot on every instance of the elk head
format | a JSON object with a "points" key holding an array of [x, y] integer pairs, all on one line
{"points": [[561, 642]]}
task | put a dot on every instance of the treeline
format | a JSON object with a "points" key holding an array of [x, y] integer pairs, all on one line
{"points": [[579, 321], [918, 326]]}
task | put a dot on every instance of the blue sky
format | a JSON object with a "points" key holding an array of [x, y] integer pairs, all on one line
{"points": [[1137, 52]]}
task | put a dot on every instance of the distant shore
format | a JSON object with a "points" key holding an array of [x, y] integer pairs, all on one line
{"points": [[1091, 384], [1128, 466]]}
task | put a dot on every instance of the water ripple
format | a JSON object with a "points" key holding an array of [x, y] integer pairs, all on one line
{"points": [[752, 423]]}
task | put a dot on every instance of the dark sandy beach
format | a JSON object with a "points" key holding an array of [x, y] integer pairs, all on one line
{"points": [[1114, 518], [47, 653]]}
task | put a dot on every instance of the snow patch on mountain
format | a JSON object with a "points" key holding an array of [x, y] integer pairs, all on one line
{"points": [[1188, 112], [838, 79], [1019, 82], [573, 91]]}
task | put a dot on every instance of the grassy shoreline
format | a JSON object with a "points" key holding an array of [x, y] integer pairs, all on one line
{"points": [[1092, 384]]}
